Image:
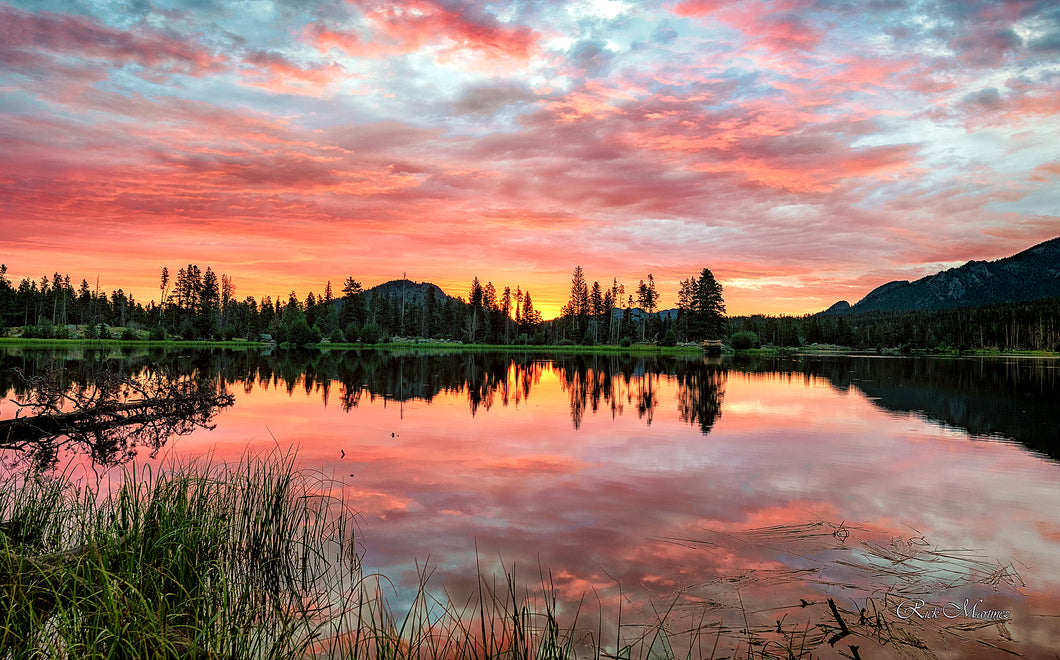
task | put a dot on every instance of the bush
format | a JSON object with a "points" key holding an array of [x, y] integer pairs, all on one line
{"points": [[128, 334], [299, 333], [670, 338], [97, 331], [588, 339], [626, 342], [371, 333], [744, 340], [336, 336], [37, 332]]}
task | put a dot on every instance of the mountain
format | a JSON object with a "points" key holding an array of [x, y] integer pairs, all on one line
{"points": [[1029, 275], [414, 292]]}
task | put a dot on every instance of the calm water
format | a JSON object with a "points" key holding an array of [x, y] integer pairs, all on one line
{"points": [[720, 492]]}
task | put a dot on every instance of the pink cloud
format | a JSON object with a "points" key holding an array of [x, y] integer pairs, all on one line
{"points": [[777, 26], [28, 38], [277, 73], [412, 25]]}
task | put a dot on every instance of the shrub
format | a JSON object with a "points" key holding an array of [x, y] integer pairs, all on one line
{"points": [[744, 340], [371, 333], [670, 338], [37, 332], [626, 342], [298, 332]]}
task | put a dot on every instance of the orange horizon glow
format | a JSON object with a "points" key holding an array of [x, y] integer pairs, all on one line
{"points": [[549, 293]]}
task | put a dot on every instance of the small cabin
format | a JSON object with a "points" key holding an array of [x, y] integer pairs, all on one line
{"points": [[712, 346]]}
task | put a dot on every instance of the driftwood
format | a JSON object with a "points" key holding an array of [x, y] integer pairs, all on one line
{"points": [[110, 416]]}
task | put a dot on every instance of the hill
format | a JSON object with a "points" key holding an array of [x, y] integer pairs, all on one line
{"points": [[1028, 275], [414, 292]]}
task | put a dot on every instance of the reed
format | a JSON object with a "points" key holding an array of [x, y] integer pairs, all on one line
{"points": [[258, 560], [196, 561]]}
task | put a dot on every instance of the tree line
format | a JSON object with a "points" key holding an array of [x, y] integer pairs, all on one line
{"points": [[1022, 326], [200, 304]]}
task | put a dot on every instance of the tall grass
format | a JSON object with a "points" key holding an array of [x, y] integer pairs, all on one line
{"points": [[257, 560], [196, 561]]}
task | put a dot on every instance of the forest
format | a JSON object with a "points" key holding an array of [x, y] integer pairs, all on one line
{"points": [[199, 304]]}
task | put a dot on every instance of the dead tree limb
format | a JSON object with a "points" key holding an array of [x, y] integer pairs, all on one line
{"points": [[109, 417]]}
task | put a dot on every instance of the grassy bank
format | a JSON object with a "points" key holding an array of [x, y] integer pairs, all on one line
{"points": [[546, 349], [194, 562], [834, 349], [147, 343], [648, 349], [256, 560]]}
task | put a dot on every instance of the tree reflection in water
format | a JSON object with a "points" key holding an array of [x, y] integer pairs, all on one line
{"points": [[104, 410], [596, 382], [987, 397]]}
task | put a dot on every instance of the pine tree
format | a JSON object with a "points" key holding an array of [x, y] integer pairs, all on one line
{"points": [[708, 307]]}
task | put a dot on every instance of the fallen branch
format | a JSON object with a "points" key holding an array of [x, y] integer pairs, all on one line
{"points": [[111, 416]]}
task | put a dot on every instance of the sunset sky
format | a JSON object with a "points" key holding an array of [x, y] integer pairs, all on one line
{"points": [[805, 151]]}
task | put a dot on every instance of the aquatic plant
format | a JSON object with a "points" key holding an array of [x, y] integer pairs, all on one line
{"points": [[195, 561]]}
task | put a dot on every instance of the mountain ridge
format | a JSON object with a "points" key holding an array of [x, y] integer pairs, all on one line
{"points": [[1031, 274]]}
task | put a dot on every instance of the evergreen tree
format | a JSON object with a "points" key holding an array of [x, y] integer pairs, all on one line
{"points": [[596, 307], [707, 307], [531, 317], [577, 308]]}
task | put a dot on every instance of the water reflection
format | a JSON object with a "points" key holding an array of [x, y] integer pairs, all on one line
{"points": [[991, 398], [597, 468], [104, 409], [593, 383], [1009, 398]]}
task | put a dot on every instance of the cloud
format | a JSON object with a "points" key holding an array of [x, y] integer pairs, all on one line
{"points": [[985, 47], [453, 26], [32, 39], [795, 146], [987, 98], [589, 59], [277, 73], [491, 98]]}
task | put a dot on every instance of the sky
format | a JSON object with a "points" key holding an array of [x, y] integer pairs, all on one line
{"points": [[806, 151]]}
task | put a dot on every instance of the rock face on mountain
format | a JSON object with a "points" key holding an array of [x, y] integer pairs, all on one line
{"points": [[1029, 275]]}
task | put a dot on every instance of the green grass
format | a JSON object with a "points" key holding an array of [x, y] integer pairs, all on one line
{"points": [[31, 343], [253, 560], [547, 349], [193, 562]]}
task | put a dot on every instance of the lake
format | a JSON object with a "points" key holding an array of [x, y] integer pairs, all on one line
{"points": [[733, 496]]}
